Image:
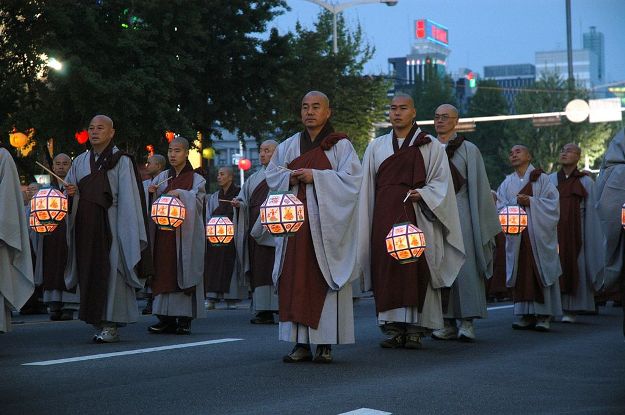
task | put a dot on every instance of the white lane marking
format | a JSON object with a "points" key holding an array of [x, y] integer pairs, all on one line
{"points": [[366, 411], [500, 307], [128, 352]]}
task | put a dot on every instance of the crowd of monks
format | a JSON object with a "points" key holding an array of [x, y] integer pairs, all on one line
{"points": [[108, 249]]}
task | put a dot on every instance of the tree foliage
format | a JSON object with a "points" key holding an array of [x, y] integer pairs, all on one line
{"points": [[431, 91]]}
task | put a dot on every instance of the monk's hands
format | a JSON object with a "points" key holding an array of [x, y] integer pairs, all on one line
{"points": [[152, 188], [414, 196], [303, 175], [235, 203], [523, 200], [71, 189]]}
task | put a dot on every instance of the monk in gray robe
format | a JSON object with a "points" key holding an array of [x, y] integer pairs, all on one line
{"points": [[178, 282], [407, 179], [532, 262], [154, 166], [16, 268], [35, 304], [479, 224], [255, 245], [314, 268], [51, 257], [579, 235], [220, 280], [610, 191], [108, 250]]}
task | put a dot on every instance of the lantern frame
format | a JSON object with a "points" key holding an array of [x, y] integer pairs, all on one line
{"points": [[168, 212], [40, 228], [219, 231], [513, 219], [49, 206], [405, 242], [282, 214]]}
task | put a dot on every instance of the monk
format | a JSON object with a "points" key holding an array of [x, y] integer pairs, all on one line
{"points": [[314, 269], [108, 250], [178, 283], [532, 261], [16, 268], [407, 179], [220, 281], [255, 245]]}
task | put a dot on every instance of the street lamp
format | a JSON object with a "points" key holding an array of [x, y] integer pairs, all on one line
{"points": [[336, 8]]}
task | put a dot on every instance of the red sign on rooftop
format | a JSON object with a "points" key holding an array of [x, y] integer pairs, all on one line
{"points": [[428, 30]]}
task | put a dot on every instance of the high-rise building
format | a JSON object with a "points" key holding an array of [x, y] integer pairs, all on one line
{"points": [[585, 65], [594, 41], [512, 79]]}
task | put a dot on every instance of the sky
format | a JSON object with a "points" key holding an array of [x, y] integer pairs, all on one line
{"points": [[481, 32]]}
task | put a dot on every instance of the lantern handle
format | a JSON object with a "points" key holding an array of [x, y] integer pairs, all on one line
{"points": [[52, 173], [286, 169], [162, 181]]}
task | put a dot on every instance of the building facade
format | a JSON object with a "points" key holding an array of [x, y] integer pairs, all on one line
{"points": [[512, 79]]}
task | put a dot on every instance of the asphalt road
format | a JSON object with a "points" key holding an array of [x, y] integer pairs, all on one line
{"points": [[574, 369]]}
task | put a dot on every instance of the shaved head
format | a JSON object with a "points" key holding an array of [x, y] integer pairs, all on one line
{"points": [[182, 141], [522, 147], [448, 108], [318, 94], [159, 159], [265, 151], [104, 118], [403, 97], [62, 157], [227, 171], [269, 143], [570, 155]]}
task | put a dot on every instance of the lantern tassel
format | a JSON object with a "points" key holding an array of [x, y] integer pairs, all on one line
{"points": [[52, 173]]}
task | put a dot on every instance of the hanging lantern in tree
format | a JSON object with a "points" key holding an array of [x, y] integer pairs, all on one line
{"points": [[282, 214], [208, 153], [82, 137], [513, 219], [169, 136], [168, 212], [38, 227], [245, 164], [623, 216], [49, 206], [18, 140], [219, 230], [405, 242]]}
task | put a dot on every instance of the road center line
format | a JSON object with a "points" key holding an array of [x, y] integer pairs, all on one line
{"points": [[500, 307], [128, 352]]}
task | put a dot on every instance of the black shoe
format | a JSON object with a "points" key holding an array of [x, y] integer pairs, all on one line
{"points": [[263, 317], [300, 353], [184, 326], [55, 315], [394, 342], [148, 307], [323, 354], [67, 315], [164, 326]]}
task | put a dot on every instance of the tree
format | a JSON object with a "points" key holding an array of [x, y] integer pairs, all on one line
{"points": [[433, 90]]}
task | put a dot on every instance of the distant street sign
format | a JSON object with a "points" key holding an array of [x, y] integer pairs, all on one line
{"points": [[605, 110]]}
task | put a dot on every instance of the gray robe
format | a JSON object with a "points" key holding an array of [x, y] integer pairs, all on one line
{"points": [[128, 238], [444, 251], [16, 267], [264, 298], [589, 259], [190, 247], [610, 196], [543, 215], [480, 225], [331, 203]]}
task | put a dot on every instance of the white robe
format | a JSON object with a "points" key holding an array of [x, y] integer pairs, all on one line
{"points": [[331, 203], [543, 215], [445, 249]]}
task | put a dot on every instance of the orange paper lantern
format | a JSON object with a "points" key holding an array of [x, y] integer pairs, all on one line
{"points": [[168, 212], [405, 242], [219, 230], [245, 164], [38, 227], [282, 214], [18, 140], [82, 136], [49, 206], [623, 216], [513, 219]]}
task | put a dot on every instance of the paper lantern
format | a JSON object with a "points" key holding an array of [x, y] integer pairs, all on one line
{"points": [[513, 219], [82, 136], [208, 153], [168, 212], [49, 206], [245, 164], [282, 214], [405, 242], [169, 136], [38, 227], [219, 230], [623, 216], [18, 140]]}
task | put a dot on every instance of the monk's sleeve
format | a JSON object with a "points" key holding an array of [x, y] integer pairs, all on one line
{"points": [[438, 192], [365, 216], [277, 178], [593, 237], [191, 236]]}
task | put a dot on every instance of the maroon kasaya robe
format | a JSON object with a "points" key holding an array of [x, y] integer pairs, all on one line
{"points": [[396, 285], [528, 286], [261, 256], [302, 288], [496, 285], [572, 193], [219, 260], [165, 252]]}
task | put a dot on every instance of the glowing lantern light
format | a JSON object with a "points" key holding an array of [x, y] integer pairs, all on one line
{"points": [[49, 206], [82, 136], [623, 216], [150, 149], [219, 230], [513, 219], [18, 140], [282, 214], [405, 242], [168, 212], [245, 164], [169, 136], [38, 227], [208, 153]]}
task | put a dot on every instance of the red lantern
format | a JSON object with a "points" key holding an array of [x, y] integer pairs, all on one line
{"points": [[82, 137], [282, 214], [49, 206], [513, 219], [38, 227], [150, 149], [168, 212], [245, 164], [623, 216], [219, 230], [169, 136], [18, 140], [405, 242]]}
